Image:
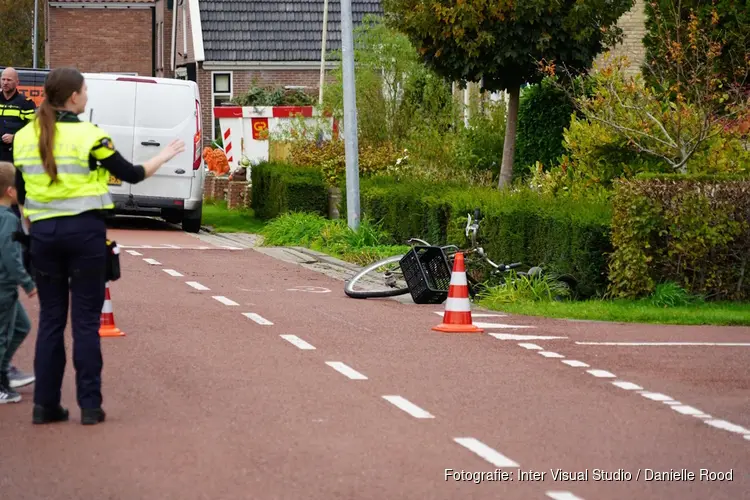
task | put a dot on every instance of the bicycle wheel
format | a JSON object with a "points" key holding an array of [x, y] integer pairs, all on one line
{"points": [[380, 279]]}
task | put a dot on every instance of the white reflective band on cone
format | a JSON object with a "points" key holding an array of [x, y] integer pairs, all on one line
{"points": [[107, 308], [457, 305], [459, 279]]}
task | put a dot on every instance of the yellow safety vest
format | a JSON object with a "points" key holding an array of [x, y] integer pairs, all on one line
{"points": [[78, 188]]}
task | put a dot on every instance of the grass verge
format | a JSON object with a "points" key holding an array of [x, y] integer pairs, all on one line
{"points": [[223, 220], [332, 237], [643, 311], [669, 304]]}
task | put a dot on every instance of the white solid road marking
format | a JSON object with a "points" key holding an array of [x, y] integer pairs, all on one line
{"points": [[513, 336], [171, 272], [346, 370], [747, 436], [225, 301], [601, 373], [152, 262], [562, 495], [532, 347], [133, 252], [628, 386], [499, 325], [294, 340], [548, 354], [407, 406], [655, 396], [196, 285], [574, 363], [257, 318], [310, 289], [477, 315], [492, 456], [671, 402], [727, 344]]}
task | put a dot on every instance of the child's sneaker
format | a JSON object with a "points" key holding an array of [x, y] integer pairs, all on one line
{"points": [[19, 378], [8, 395]]}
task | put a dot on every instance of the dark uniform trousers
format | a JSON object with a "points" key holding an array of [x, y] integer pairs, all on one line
{"points": [[69, 255]]}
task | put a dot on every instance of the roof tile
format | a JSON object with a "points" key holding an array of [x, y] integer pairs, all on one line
{"points": [[273, 30]]}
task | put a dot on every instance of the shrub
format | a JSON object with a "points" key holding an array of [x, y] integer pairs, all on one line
{"points": [[543, 113], [522, 226], [690, 230], [273, 96], [279, 188]]}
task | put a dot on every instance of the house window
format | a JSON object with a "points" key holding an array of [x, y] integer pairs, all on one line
{"points": [[221, 92]]}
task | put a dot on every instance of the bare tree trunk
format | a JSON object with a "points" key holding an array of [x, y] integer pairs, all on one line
{"points": [[509, 145]]}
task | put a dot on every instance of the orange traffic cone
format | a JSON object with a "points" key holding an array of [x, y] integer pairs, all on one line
{"points": [[108, 328], [457, 318]]}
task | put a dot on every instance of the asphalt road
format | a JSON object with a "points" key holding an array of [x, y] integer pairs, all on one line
{"points": [[242, 376]]}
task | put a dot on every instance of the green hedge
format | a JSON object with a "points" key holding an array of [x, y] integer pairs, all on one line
{"points": [[279, 188], [691, 230], [561, 236], [543, 114]]}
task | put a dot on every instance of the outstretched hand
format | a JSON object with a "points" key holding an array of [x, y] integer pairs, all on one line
{"points": [[173, 149]]}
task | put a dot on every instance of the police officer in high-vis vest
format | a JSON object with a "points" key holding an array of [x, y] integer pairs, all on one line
{"points": [[63, 167]]}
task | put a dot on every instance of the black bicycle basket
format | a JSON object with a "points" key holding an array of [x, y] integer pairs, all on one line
{"points": [[428, 274]]}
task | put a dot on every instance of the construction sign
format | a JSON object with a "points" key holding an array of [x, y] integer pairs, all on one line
{"points": [[260, 128]]}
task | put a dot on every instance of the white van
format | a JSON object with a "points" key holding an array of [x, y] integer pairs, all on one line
{"points": [[143, 115]]}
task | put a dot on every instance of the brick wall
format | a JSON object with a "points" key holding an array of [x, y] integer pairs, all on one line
{"points": [[184, 54], [99, 40], [243, 80], [633, 24], [163, 16]]}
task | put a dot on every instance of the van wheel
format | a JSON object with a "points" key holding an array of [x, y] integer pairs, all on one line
{"points": [[191, 222]]}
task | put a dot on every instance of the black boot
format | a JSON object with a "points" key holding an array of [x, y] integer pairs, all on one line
{"points": [[92, 416], [44, 415]]}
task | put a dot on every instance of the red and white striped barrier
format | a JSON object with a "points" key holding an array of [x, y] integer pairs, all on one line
{"points": [[249, 126]]}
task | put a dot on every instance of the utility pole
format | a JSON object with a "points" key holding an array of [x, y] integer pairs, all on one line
{"points": [[323, 52], [351, 146], [34, 34]]}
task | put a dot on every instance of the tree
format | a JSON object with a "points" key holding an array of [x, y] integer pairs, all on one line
{"points": [[687, 97], [16, 26], [504, 43]]}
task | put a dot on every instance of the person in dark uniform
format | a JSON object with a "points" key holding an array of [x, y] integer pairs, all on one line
{"points": [[63, 166], [15, 112]]}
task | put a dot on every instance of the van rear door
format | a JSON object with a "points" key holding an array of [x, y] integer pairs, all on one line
{"points": [[164, 111], [111, 106]]}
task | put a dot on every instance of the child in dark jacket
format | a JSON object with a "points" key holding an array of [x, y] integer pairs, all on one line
{"points": [[14, 322]]}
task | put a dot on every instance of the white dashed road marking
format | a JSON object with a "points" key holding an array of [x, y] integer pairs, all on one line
{"points": [[562, 495], [548, 354], [687, 410], [532, 347], [171, 272], [601, 373], [225, 301], [257, 318], [407, 406], [511, 336], [196, 285], [346, 370], [727, 426], [294, 340], [133, 252], [152, 262], [575, 363], [655, 396], [492, 456], [628, 386]]}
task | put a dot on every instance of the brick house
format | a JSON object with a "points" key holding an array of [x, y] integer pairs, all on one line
{"points": [[100, 36], [227, 46]]}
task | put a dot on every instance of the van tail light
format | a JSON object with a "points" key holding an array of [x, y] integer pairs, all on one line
{"points": [[197, 137]]}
